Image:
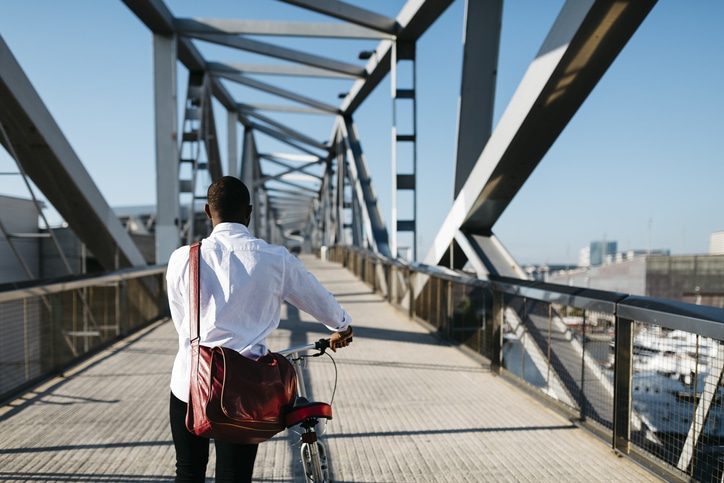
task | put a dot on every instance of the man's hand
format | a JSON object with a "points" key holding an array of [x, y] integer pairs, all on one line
{"points": [[341, 339]]}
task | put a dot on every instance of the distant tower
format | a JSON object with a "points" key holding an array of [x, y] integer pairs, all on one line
{"points": [[599, 250]]}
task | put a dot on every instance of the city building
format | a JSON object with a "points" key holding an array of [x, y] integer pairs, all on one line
{"points": [[716, 243], [598, 251]]}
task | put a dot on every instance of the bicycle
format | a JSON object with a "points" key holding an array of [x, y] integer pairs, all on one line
{"points": [[306, 414]]}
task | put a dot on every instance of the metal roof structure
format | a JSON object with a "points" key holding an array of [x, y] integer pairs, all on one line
{"points": [[319, 191]]}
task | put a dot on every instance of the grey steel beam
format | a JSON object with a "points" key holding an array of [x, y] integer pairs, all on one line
{"points": [[362, 187], [287, 130], [283, 137], [279, 108], [248, 174], [50, 161], [154, 14], [303, 158], [292, 169], [291, 193], [158, 18], [167, 159], [277, 91], [622, 376], [278, 176], [222, 95], [281, 70], [413, 20], [276, 28], [232, 118], [350, 13], [583, 42], [263, 48], [297, 186], [477, 90]]}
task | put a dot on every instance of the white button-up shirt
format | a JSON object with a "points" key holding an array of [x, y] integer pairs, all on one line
{"points": [[244, 282]]}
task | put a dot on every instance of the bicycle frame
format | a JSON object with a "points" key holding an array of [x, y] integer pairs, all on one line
{"points": [[306, 414]]}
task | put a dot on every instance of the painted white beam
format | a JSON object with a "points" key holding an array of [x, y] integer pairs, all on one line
{"points": [[350, 13], [477, 89], [280, 108], [281, 136], [287, 130], [263, 48], [413, 20], [276, 28], [278, 69], [583, 42], [167, 157], [364, 190], [50, 161], [277, 91]]}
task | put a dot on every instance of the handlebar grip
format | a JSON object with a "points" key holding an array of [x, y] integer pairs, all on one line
{"points": [[322, 344]]}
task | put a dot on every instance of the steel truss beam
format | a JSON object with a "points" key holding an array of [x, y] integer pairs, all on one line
{"points": [[413, 20], [363, 191], [350, 13], [583, 42], [49, 160], [283, 53], [186, 26]]}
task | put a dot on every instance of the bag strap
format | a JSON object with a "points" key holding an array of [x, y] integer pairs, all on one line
{"points": [[194, 326], [194, 309]]}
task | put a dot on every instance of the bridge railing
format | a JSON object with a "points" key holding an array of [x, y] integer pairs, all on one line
{"points": [[45, 327], [642, 373]]}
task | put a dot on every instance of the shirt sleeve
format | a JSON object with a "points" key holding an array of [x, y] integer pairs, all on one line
{"points": [[304, 291], [177, 287]]}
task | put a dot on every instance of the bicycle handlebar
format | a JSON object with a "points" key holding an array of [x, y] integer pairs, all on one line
{"points": [[321, 345]]}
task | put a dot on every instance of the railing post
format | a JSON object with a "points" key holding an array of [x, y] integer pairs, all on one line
{"points": [[496, 349], [582, 399], [622, 385], [411, 292]]}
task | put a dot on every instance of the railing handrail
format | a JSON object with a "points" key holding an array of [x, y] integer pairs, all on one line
{"points": [[699, 319], [46, 287]]}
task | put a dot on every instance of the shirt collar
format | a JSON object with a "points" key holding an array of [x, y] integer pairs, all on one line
{"points": [[230, 227]]}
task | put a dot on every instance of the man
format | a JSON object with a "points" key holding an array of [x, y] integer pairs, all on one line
{"points": [[243, 283]]}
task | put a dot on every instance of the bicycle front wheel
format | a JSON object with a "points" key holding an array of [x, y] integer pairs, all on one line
{"points": [[314, 460]]}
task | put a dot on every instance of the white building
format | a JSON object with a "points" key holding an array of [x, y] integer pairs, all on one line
{"points": [[716, 243]]}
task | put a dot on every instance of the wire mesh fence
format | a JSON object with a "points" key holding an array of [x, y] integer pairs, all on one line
{"points": [[645, 374], [48, 327]]}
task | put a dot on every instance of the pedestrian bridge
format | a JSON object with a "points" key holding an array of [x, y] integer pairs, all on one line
{"points": [[463, 369], [409, 407], [475, 381]]}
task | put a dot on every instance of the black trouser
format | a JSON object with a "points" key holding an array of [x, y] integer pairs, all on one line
{"points": [[234, 462]]}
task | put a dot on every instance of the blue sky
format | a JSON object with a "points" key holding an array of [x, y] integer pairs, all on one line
{"points": [[642, 162]]}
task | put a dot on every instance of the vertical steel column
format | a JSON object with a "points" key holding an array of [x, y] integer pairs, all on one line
{"points": [[477, 89], [496, 350], [581, 397], [232, 118], [193, 137], [247, 175], [623, 364], [405, 181], [167, 190], [339, 208]]}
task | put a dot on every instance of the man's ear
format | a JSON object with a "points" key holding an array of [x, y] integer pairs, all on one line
{"points": [[207, 210], [248, 215]]}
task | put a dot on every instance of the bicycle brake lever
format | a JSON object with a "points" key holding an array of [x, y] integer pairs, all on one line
{"points": [[321, 346]]}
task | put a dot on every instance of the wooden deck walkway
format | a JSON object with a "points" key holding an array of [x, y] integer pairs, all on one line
{"points": [[408, 409]]}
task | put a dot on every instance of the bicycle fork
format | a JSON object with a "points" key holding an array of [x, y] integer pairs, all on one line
{"points": [[314, 454]]}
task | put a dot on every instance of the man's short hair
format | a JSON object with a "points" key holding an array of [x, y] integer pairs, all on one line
{"points": [[228, 196]]}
